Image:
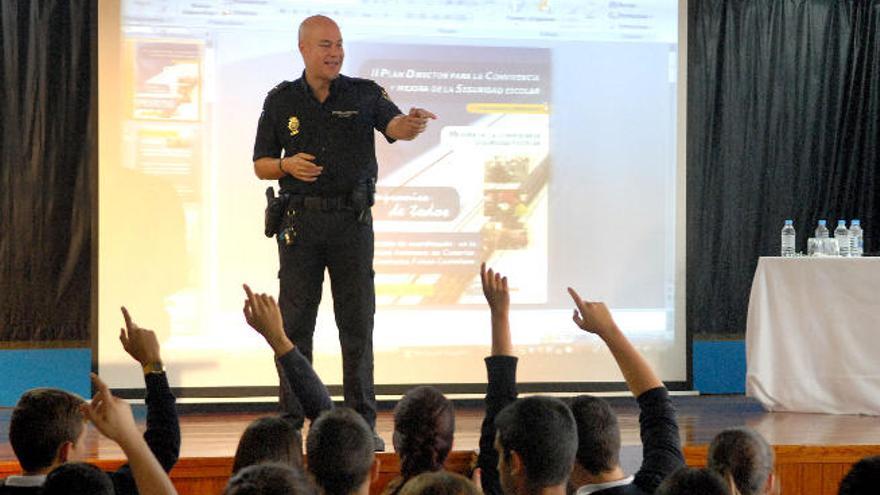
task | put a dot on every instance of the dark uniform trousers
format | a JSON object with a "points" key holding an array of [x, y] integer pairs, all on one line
{"points": [[338, 241]]}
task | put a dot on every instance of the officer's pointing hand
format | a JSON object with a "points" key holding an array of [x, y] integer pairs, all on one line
{"points": [[418, 119], [302, 167], [409, 126], [421, 113]]}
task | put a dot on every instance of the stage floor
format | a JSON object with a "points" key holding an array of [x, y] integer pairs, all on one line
{"points": [[700, 418]]}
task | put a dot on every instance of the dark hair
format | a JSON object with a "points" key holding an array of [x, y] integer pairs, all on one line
{"points": [[693, 481], [745, 456], [42, 421], [542, 431], [269, 479], [440, 483], [268, 439], [340, 451], [863, 478], [77, 478], [424, 424], [598, 434]]}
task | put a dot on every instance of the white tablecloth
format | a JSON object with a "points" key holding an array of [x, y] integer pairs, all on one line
{"points": [[813, 335]]}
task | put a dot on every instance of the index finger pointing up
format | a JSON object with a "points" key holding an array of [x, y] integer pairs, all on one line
{"points": [[128, 323]]}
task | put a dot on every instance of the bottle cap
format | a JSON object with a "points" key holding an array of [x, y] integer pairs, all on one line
{"points": [[821, 222], [856, 221], [841, 222], [789, 222]]}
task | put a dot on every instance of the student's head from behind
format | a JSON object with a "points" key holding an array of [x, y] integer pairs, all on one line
{"points": [[863, 478], [692, 481], [598, 434], [536, 440], [268, 439], [340, 451], [46, 429], [440, 483], [77, 478], [744, 456], [424, 424], [269, 479]]}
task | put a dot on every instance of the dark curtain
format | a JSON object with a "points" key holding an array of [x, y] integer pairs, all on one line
{"points": [[783, 109], [48, 144]]}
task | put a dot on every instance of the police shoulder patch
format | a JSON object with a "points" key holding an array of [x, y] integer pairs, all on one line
{"points": [[280, 87], [384, 93]]}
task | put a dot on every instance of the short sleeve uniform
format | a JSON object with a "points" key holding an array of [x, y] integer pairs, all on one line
{"points": [[338, 133]]}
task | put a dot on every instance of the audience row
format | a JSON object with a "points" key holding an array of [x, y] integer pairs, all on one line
{"points": [[528, 446]]}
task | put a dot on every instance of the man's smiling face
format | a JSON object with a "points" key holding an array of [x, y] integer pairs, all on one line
{"points": [[320, 44]]}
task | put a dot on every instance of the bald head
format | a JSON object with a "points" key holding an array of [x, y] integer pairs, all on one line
{"points": [[310, 25], [320, 44]]}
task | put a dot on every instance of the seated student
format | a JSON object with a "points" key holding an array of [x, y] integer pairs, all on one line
{"points": [[527, 446], [424, 418], [440, 483], [269, 479], [47, 427], [597, 469], [863, 478], [424, 425], [75, 478], [742, 456], [692, 481], [340, 453], [269, 439]]}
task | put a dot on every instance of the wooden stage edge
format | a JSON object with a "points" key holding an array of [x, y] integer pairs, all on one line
{"points": [[802, 469]]}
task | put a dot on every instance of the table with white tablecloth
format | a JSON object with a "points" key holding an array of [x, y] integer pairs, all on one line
{"points": [[813, 335]]}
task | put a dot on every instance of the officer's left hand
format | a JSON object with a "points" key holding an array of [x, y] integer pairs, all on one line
{"points": [[407, 127]]}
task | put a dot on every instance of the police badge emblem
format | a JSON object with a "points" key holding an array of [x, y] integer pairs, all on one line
{"points": [[293, 126]]}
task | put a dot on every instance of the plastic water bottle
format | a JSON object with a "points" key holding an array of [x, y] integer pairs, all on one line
{"points": [[788, 239], [841, 233], [856, 238], [821, 230]]}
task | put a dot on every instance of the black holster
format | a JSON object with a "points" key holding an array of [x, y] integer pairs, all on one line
{"points": [[275, 206], [362, 198]]}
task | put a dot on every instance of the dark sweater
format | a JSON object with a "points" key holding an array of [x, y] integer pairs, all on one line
{"points": [[501, 391]]}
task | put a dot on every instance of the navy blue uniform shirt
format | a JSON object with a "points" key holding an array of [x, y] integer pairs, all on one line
{"points": [[338, 132]]}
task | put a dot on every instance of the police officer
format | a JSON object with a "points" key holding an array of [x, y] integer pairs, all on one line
{"points": [[315, 136]]}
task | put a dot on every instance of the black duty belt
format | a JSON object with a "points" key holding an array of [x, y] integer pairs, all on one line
{"points": [[298, 202]]}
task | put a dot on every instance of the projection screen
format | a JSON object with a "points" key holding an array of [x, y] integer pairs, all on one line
{"points": [[557, 157]]}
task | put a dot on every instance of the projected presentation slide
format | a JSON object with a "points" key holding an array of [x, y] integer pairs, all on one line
{"points": [[553, 159]]}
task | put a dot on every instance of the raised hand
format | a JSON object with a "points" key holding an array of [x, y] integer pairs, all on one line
{"points": [[113, 418], [263, 315], [592, 317], [495, 290], [302, 166], [139, 343], [111, 415], [497, 294]]}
